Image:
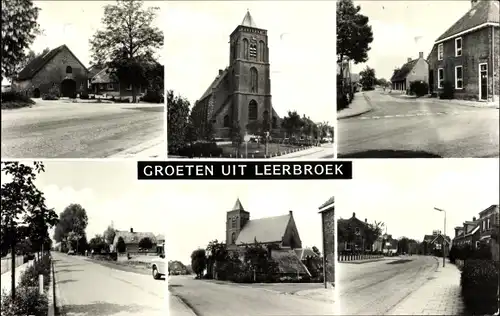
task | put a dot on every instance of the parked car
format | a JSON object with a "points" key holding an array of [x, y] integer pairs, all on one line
{"points": [[159, 267]]}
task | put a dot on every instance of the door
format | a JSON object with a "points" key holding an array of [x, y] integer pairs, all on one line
{"points": [[68, 88], [431, 81], [483, 81]]}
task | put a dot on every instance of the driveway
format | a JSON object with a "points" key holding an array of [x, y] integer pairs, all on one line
{"points": [[413, 128], [57, 129]]}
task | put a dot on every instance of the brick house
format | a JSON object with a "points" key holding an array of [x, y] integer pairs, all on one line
{"points": [[132, 240], [327, 211], [433, 244], [467, 54], [477, 231], [413, 70], [107, 84], [278, 231], [59, 67], [241, 93], [351, 235]]}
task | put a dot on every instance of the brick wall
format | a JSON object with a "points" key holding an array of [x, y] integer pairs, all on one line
{"points": [[328, 219]]}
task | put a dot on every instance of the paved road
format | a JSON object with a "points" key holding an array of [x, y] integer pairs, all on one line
{"points": [[85, 288], [213, 299], [55, 129], [376, 288], [411, 128]]}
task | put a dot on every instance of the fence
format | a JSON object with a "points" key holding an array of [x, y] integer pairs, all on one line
{"points": [[353, 257], [7, 263]]}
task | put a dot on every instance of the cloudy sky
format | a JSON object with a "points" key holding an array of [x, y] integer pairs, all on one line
{"points": [[74, 23], [197, 210], [403, 193], [109, 191], [301, 50], [402, 29]]}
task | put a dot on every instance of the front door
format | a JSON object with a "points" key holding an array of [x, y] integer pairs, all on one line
{"points": [[431, 81], [483, 81]]}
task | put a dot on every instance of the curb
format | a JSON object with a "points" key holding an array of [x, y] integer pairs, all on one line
{"points": [[57, 296], [358, 113], [138, 149], [361, 262], [52, 292], [180, 301]]}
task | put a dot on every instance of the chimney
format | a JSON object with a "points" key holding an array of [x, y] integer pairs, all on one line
{"points": [[220, 72], [421, 55], [353, 214], [474, 219], [366, 220], [131, 230], [409, 59]]}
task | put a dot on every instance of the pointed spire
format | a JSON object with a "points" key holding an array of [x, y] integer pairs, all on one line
{"points": [[248, 20], [237, 206]]}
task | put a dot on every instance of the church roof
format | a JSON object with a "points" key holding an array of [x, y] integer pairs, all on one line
{"points": [[237, 206], [264, 230], [248, 20], [214, 84]]}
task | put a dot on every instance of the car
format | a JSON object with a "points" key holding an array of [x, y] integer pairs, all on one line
{"points": [[71, 253], [159, 267]]}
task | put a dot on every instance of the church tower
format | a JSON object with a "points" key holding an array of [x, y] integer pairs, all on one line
{"points": [[250, 75], [236, 218]]}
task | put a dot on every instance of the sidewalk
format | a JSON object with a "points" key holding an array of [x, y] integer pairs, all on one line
{"points": [[475, 104], [360, 105], [439, 296], [176, 307], [310, 153], [326, 295], [5, 278], [154, 148]]}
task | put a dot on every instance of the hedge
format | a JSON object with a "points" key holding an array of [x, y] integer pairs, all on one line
{"points": [[479, 282], [201, 149]]}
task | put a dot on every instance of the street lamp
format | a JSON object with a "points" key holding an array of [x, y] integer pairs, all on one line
{"points": [[444, 235]]}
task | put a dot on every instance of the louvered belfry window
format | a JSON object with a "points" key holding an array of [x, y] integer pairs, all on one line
{"points": [[253, 51]]}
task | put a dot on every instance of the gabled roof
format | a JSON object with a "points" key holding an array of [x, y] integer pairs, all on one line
{"points": [[133, 237], [446, 238], [104, 76], [264, 230], [94, 70], [248, 20], [330, 201], [288, 262], [214, 84], [402, 73], [484, 11], [40, 61]]}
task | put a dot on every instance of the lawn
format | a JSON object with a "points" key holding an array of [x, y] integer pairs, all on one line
{"points": [[255, 150]]}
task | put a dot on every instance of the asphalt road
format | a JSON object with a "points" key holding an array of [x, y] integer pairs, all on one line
{"points": [[410, 128], [85, 288], [208, 298], [56, 129], [376, 288]]}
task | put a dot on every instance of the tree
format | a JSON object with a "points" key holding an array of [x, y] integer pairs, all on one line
{"points": [[19, 29], [292, 123], [372, 233], [191, 134], [20, 198], [39, 220], [198, 262], [259, 260], [109, 235], [367, 78], [30, 56], [316, 251], [146, 243], [97, 244], [121, 247], [216, 253], [403, 245], [127, 42], [73, 219], [177, 121]]}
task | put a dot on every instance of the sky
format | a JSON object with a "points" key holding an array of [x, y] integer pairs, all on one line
{"points": [[403, 193], [80, 21], [109, 192], [197, 210], [301, 52], [402, 29]]}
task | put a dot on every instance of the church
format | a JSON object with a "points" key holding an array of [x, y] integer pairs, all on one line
{"points": [[278, 230], [240, 95]]}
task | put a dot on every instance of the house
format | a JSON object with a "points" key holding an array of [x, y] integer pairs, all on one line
{"points": [[477, 231], [106, 83], [278, 231], [412, 70], [352, 235], [327, 211], [241, 93], [488, 222], [433, 244], [57, 68], [132, 240], [467, 54], [385, 244]]}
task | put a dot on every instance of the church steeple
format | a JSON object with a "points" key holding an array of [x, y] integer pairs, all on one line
{"points": [[248, 20], [236, 218], [237, 206]]}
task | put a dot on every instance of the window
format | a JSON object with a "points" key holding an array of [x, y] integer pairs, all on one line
{"points": [[102, 86], [252, 110], [477, 244], [459, 78], [226, 121], [69, 70], [484, 225], [440, 52], [275, 122], [488, 224], [129, 87], [245, 48], [262, 51], [254, 80], [347, 246], [110, 86], [440, 78], [233, 222], [233, 238], [458, 47], [253, 51], [357, 231]]}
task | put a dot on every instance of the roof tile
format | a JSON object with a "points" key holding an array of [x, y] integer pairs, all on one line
{"points": [[264, 230]]}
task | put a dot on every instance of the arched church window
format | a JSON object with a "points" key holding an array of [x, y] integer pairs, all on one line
{"points": [[262, 51], [226, 121], [233, 222], [254, 80], [275, 122], [245, 48], [252, 110], [69, 70], [253, 50], [233, 238]]}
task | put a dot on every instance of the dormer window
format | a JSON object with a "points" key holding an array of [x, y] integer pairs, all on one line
{"points": [[440, 51], [458, 47]]}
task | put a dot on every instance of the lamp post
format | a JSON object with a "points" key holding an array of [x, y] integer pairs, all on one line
{"points": [[444, 235]]}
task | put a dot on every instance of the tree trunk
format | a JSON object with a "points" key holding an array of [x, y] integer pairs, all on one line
{"points": [[134, 94], [13, 261]]}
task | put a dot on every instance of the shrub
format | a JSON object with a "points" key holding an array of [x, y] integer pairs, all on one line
{"points": [[13, 100], [28, 301], [448, 91], [479, 282], [84, 96], [201, 149], [153, 97], [419, 88], [30, 276]]}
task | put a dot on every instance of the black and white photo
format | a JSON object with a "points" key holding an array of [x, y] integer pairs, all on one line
{"points": [[250, 79], [251, 248], [419, 80], [420, 241], [82, 79]]}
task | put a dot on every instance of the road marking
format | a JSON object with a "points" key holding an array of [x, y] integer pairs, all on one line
{"points": [[414, 115]]}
